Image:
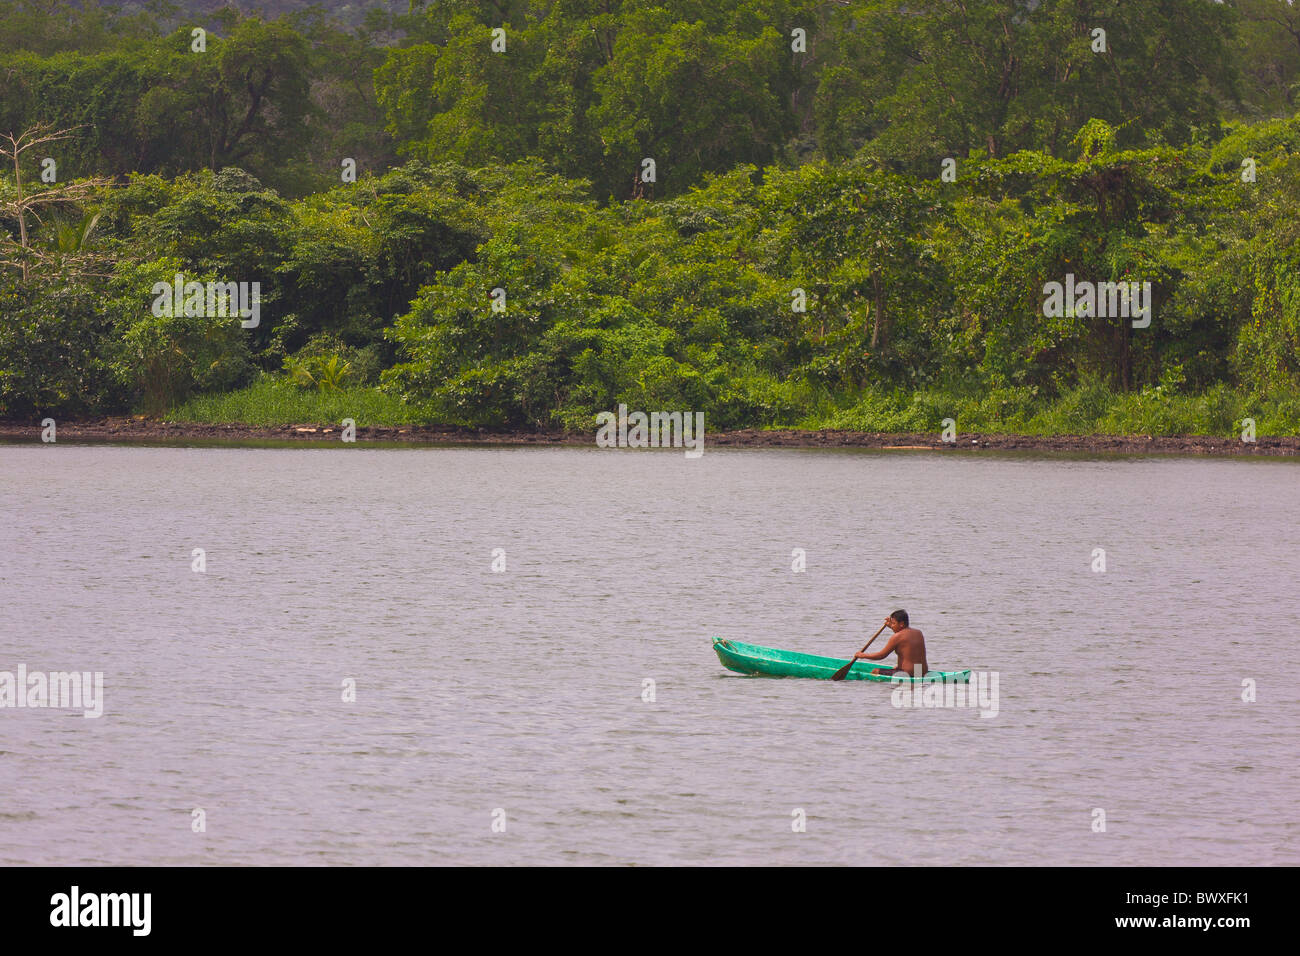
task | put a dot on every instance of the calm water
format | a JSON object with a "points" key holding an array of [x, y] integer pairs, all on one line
{"points": [[523, 690]]}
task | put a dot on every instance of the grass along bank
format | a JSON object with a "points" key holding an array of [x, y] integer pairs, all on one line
{"points": [[276, 401], [1090, 409]]}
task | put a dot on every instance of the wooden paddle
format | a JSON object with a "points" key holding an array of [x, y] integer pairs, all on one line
{"points": [[843, 672]]}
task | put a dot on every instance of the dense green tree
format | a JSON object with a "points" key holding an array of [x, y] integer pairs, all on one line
{"points": [[927, 79]]}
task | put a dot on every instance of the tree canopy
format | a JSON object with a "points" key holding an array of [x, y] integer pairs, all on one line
{"points": [[777, 211]]}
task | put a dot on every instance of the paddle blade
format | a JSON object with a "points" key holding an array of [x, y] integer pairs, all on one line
{"points": [[843, 672]]}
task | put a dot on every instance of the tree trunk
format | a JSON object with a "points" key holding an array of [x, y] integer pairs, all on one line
{"points": [[1125, 354], [880, 327]]}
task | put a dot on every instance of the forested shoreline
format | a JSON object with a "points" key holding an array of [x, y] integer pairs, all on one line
{"points": [[783, 214]]}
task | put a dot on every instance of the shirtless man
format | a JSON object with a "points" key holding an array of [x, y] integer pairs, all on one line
{"points": [[908, 642]]}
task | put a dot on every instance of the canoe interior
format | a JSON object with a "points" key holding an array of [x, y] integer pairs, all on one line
{"points": [[762, 661]]}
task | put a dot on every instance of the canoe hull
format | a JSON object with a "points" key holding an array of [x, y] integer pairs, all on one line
{"points": [[758, 661]]}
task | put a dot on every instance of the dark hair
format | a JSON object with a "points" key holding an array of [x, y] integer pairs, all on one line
{"points": [[900, 617]]}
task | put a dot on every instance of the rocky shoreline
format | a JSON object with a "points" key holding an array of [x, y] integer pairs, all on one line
{"points": [[136, 429]]}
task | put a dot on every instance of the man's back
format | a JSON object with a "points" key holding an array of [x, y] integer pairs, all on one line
{"points": [[909, 643]]}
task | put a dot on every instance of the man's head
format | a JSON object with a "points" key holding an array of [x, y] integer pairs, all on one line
{"points": [[898, 621]]}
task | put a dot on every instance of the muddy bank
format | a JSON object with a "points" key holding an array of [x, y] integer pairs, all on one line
{"points": [[135, 429], [146, 430], [974, 441]]}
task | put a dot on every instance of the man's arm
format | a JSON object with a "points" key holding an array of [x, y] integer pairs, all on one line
{"points": [[880, 655]]}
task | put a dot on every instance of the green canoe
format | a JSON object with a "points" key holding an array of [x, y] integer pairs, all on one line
{"points": [[770, 662]]}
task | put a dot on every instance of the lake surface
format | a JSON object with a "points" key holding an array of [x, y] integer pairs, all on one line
{"points": [[522, 691]]}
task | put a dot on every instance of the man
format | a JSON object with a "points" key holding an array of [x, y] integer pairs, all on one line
{"points": [[908, 642]]}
